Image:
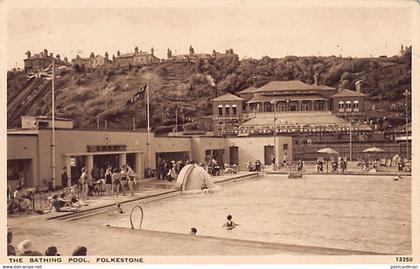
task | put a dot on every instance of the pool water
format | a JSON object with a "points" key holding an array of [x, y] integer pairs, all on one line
{"points": [[365, 213]]}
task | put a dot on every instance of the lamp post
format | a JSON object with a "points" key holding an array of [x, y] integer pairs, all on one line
{"points": [[350, 116], [275, 134], [351, 138], [53, 123], [406, 94], [176, 121]]}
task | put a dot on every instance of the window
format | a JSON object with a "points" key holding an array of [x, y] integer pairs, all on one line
{"points": [[220, 110], [234, 110], [348, 106], [285, 146], [341, 106], [356, 105], [227, 109]]}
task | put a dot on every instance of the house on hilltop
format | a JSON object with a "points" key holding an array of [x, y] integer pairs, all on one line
{"points": [[39, 61], [135, 58], [192, 56]]}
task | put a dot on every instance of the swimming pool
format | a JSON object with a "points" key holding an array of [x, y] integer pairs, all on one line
{"points": [[365, 213]]}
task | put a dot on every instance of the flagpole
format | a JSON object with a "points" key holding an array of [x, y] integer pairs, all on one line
{"points": [[148, 126], [53, 123], [176, 121]]}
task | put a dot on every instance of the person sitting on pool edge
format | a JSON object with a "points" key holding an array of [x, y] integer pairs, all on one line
{"points": [[61, 205], [230, 224]]}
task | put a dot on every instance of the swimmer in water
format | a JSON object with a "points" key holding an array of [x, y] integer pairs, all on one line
{"points": [[230, 224], [119, 209], [398, 177]]}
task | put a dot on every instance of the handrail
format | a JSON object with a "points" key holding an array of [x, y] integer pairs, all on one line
{"points": [[131, 216]]}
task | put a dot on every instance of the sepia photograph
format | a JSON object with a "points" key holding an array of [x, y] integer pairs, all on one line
{"points": [[208, 129]]}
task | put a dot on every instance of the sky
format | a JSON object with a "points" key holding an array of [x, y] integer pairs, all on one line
{"points": [[252, 32]]}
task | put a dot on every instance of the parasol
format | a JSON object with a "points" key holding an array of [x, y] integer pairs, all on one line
{"points": [[327, 151], [373, 150]]}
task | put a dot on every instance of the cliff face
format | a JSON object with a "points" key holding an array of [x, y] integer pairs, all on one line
{"points": [[85, 96]]}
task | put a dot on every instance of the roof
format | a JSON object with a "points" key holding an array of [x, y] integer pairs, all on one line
{"points": [[133, 54], [262, 98], [46, 118], [22, 131], [251, 89], [308, 119], [78, 58], [228, 97], [347, 93], [126, 55], [291, 85], [39, 55], [202, 55]]}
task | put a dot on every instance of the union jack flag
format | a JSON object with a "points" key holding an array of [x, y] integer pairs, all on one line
{"points": [[139, 95], [45, 73]]}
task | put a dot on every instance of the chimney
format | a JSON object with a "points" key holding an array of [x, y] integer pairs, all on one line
{"points": [[136, 50], [66, 60], [58, 57], [358, 86], [316, 79], [51, 55], [152, 51], [92, 55], [106, 55], [45, 53], [28, 54], [118, 53]]}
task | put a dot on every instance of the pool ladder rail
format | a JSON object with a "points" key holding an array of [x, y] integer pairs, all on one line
{"points": [[131, 216]]}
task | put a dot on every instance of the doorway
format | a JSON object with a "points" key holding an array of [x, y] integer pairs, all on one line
{"points": [[102, 161], [268, 154], [233, 155]]}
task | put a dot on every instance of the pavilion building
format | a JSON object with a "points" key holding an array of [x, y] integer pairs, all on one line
{"points": [[291, 107]]}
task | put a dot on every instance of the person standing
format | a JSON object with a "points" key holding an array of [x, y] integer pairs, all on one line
{"points": [[64, 178], [285, 159], [123, 179], [108, 180], [116, 182], [273, 162], [84, 183], [159, 168], [130, 177]]}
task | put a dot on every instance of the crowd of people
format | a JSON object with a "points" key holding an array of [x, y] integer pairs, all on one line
{"points": [[338, 164], [373, 164], [111, 181], [169, 170], [27, 248], [254, 166], [20, 200]]}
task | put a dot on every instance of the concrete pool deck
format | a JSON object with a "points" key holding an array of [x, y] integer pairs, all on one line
{"points": [[102, 240], [149, 189]]}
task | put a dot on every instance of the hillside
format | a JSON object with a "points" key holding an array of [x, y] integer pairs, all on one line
{"points": [[84, 95]]}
